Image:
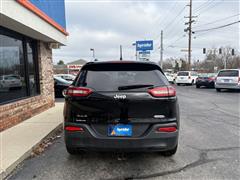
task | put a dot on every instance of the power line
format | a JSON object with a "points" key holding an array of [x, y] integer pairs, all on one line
{"points": [[170, 9], [203, 5], [170, 32], [218, 20], [203, 34], [172, 22], [218, 27], [209, 7], [169, 24], [176, 41]]}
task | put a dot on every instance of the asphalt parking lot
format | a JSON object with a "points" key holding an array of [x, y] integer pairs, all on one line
{"points": [[209, 148]]}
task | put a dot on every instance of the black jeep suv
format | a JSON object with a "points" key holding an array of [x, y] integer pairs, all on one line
{"points": [[121, 106]]}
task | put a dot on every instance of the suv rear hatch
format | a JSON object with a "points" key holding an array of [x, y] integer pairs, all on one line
{"points": [[183, 75], [228, 77], [135, 93]]}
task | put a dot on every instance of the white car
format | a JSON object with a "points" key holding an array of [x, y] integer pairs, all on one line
{"points": [[228, 79], [170, 77], [67, 77], [186, 77], [10, 81]]}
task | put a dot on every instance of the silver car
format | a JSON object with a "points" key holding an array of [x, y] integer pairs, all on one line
{"points": [[228, 79], [67, 77]]}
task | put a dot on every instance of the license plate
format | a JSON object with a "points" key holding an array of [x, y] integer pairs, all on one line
{"points": [[120, 130], [226, 80]]}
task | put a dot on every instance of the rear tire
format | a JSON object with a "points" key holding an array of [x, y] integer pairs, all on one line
{"points": [[197, 86], [218, 90], [169, 152], [178, 84]]}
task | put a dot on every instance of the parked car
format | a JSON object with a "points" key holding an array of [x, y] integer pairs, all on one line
{"points": [[60, 85], [121, 106], [206, 80], [186, 77], [10, 82], [170, 77], [228, 79], [67, 77]]}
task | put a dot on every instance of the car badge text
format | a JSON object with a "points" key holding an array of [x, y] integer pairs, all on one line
{"points": [[120, 96]]}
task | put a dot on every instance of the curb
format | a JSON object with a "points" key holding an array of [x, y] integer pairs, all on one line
{"points": [[6, 173]]}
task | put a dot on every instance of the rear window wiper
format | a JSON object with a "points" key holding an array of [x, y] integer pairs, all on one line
{"points": [[135, 86]]}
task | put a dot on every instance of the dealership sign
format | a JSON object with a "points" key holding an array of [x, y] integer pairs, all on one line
{"points": [[146, 45], [144, 52], [74, 66]]}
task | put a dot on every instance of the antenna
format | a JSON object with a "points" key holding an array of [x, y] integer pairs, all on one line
{"points": [[121, 53]]}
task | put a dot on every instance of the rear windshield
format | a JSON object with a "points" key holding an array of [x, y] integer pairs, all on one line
{"points": [[12, 77], [228, 73], [183, 73], [206, 75], [110, 79]]}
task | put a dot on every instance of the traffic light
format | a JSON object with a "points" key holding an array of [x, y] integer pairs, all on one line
{"points": [[232, 52], [204, 50], [220, 51]]}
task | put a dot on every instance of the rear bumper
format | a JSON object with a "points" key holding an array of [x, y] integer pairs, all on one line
{"points": [[204, 83], [151, 141], [226, 86], [183, 81]]}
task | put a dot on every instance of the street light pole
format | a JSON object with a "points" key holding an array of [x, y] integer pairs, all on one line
{"points": [[121, 58], [93, 50]]}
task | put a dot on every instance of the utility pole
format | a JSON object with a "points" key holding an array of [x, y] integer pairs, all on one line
{"points": [[189, 30], [190, 36], [161, 50]]}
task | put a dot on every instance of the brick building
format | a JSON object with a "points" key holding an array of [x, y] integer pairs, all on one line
{"points": [[29, 30]]}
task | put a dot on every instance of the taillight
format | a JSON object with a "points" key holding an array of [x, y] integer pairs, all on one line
{"points": [[167, 129], [167, 91], [211, 79], [74, 128], [238, 79], [78, 91]]}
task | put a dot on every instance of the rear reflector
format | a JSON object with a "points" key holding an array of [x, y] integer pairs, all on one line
{"points": [[168, 91], [74, 128], [167, 129], [78, 91]]}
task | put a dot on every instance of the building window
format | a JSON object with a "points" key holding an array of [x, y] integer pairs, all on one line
{"points": [[18, 66]]}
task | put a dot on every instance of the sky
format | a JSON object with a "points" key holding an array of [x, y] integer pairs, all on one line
{"points": [[105, 25]]}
